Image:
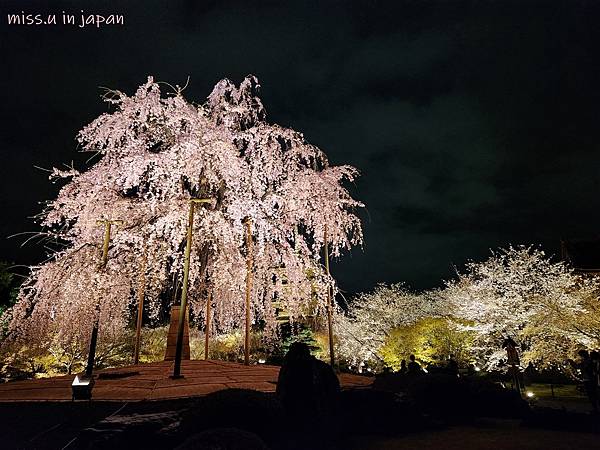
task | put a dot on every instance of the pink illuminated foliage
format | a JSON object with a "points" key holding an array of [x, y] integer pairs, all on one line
{"points": [[155, 152]]}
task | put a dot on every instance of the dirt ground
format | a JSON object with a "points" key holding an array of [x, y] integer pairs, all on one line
{"points": [[497, 434], [63, 424], [57, 425]]}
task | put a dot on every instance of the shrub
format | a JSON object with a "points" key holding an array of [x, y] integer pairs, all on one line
{"points": [[431, 340], [377, 411], [452, 397]]}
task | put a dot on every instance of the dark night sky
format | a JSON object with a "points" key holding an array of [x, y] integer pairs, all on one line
{"points": [[474, 123]]}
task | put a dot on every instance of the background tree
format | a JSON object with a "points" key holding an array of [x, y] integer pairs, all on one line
{"points": [[154, 153], [9, 286], [520, 293], [432, 340], [371, 317]]}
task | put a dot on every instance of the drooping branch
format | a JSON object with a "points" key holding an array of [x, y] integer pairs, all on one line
{"points": [[154, 154]]}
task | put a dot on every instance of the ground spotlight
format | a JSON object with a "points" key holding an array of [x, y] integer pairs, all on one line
{"points": [[82, 388]]}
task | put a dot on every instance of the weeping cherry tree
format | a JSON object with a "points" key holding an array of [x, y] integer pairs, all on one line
{"points": [[154, 153]]}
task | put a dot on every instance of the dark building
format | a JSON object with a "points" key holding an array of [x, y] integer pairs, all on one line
{"points": [[583, 255]]}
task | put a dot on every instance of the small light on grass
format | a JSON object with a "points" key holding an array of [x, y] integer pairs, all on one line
{"points": [[530, 394], [262, 361], [477, 369]]}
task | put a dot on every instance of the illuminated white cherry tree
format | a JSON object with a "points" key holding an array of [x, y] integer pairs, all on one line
{"points": [[520, 293], [372, 316], [155, 153]]}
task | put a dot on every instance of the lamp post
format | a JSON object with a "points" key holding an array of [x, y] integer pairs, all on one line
{"points": [[186, 273], [248, 289], [94, 338], [329, 302]]}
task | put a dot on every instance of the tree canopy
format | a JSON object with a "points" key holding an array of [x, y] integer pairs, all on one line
{"points": [[154, 153], [521, 293], [518, 292]]}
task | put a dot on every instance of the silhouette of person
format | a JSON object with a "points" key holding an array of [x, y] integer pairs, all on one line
{"points": [[511, 352], [403, 368], [595, 358], [588, 377], [413, 366], [452, 366], [529, 373], [306, 385], [513, 361]]}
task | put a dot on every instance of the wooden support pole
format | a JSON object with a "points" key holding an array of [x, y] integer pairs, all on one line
{"points": [[207, 326], [329, 303], [141, 293], [184, 289], [248, 290], [107, 226], [103, 261]]}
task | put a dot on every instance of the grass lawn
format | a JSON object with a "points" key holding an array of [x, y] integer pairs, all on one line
{"points": [[566, 396], [560, 391]]}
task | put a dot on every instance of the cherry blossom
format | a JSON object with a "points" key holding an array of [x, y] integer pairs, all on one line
{"points": [[521, 293], [154, 153], [372, 316]]}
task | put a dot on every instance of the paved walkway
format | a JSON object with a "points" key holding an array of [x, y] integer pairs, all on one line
{"points": [[152, 382]]}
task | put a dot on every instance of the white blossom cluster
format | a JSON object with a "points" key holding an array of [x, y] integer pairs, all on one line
{"points": [[372, 316], [519, 292], [157, 152]]}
